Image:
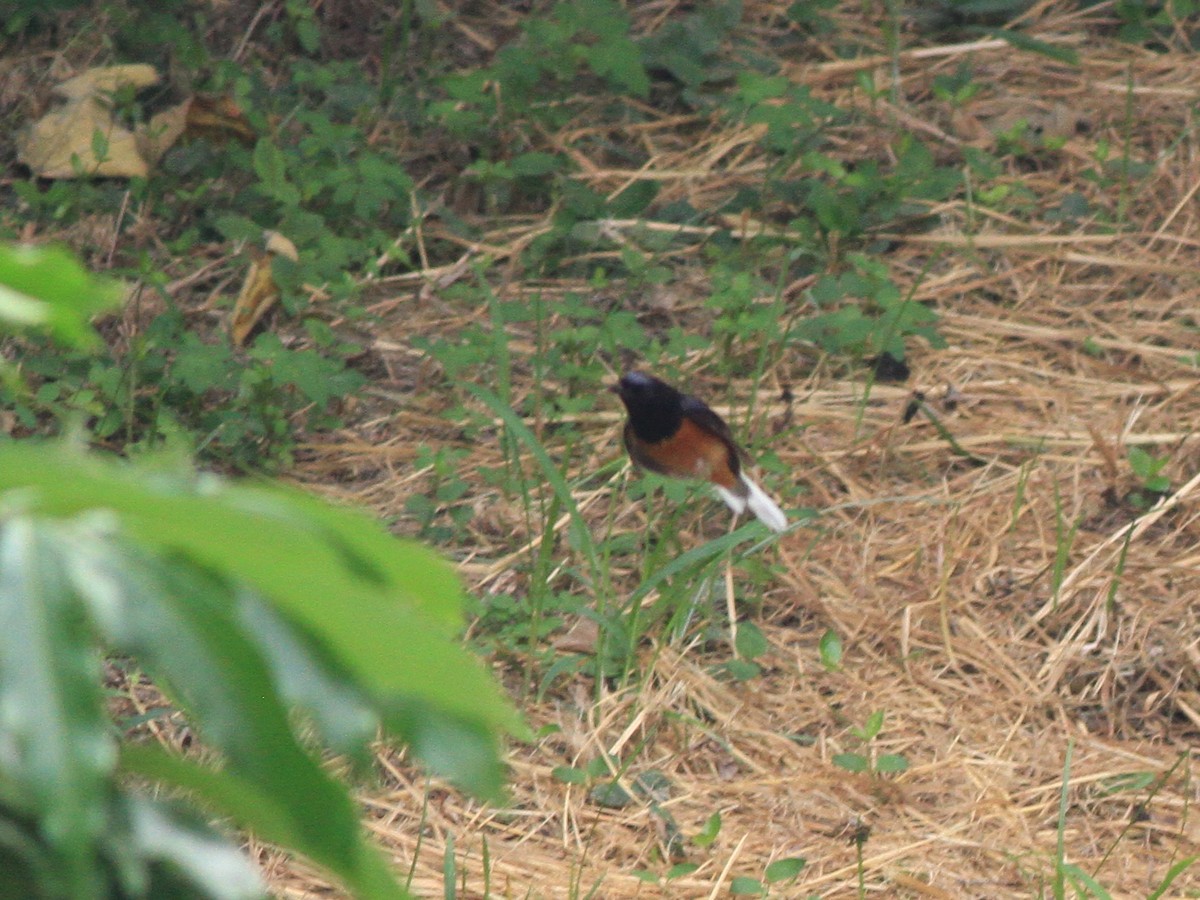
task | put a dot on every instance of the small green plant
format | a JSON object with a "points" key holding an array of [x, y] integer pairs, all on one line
{"points": [[1082, 883], [863, 314], [876, 764], [780, 873], [437, 511], [958, 88], [1159, 25], [572, 48], [238, 409], [1151, 783], [1152, 484]]}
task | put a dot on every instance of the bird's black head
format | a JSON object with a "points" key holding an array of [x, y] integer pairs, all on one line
{"points": [[655, 408]]}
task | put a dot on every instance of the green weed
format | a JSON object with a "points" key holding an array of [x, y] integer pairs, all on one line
{"points": [[876, 764]]}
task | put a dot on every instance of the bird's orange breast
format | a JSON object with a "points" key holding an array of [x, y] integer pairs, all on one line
{"points": [[692, 452]]}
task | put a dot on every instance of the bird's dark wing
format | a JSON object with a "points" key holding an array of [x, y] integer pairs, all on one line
{"points": [[700, 413]]}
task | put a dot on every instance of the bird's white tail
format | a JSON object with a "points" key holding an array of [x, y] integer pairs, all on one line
{"points": [[757, 501]]}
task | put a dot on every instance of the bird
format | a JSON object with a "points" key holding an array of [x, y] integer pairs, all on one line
{"points": [[676, 434]]}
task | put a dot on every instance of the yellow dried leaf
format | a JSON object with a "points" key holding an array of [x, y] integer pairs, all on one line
{"points": [[106, 80], [62, 144], [259, 291], [163, 130]]}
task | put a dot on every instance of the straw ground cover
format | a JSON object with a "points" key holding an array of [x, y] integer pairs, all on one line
{"points": [[999, 593], [997, 554]]}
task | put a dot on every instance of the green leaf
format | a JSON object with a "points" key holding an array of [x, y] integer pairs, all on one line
{"points": [[741, 886], [214, 866], [784, 869], [342, 715], [891, 763], [570, 775], [610, 795], [871, 727], [619, 60], [1144, 465], [263, 812], [59, 750], [680, 870], [830, 650], [708, 834], [751, 643], [534, 164], [329, 570], [270, 166], [47, 287], [182, 625], [1129, 781], [633, 199], [851, 762], [741, 670]]}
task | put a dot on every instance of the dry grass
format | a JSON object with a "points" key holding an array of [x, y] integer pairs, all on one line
{"points": [[939, 574]]}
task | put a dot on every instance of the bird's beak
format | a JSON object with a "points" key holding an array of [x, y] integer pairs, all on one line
{"points": [[614, 389]]}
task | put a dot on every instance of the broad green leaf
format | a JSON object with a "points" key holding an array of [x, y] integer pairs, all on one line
{"points": [[247, 804], [633, 199], [182, 625], [784, 869], [891, 763], [741, 670], [751, 642], [610, 795], [382, 608], [742, 886], [340, 713], [211, 864], [851, 762], [570, 775], [463, 752], [47, 287], [57, 745]]}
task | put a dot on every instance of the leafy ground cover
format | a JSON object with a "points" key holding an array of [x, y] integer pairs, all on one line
{"points": [[938, 265]]}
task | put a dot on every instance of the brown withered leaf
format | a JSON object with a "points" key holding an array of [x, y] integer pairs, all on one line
{"points": [[580, 637], [218, 118], [65, 141], [259, 291]]}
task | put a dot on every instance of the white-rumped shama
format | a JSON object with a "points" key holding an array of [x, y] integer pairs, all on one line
{"points": [[675, 434]]}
